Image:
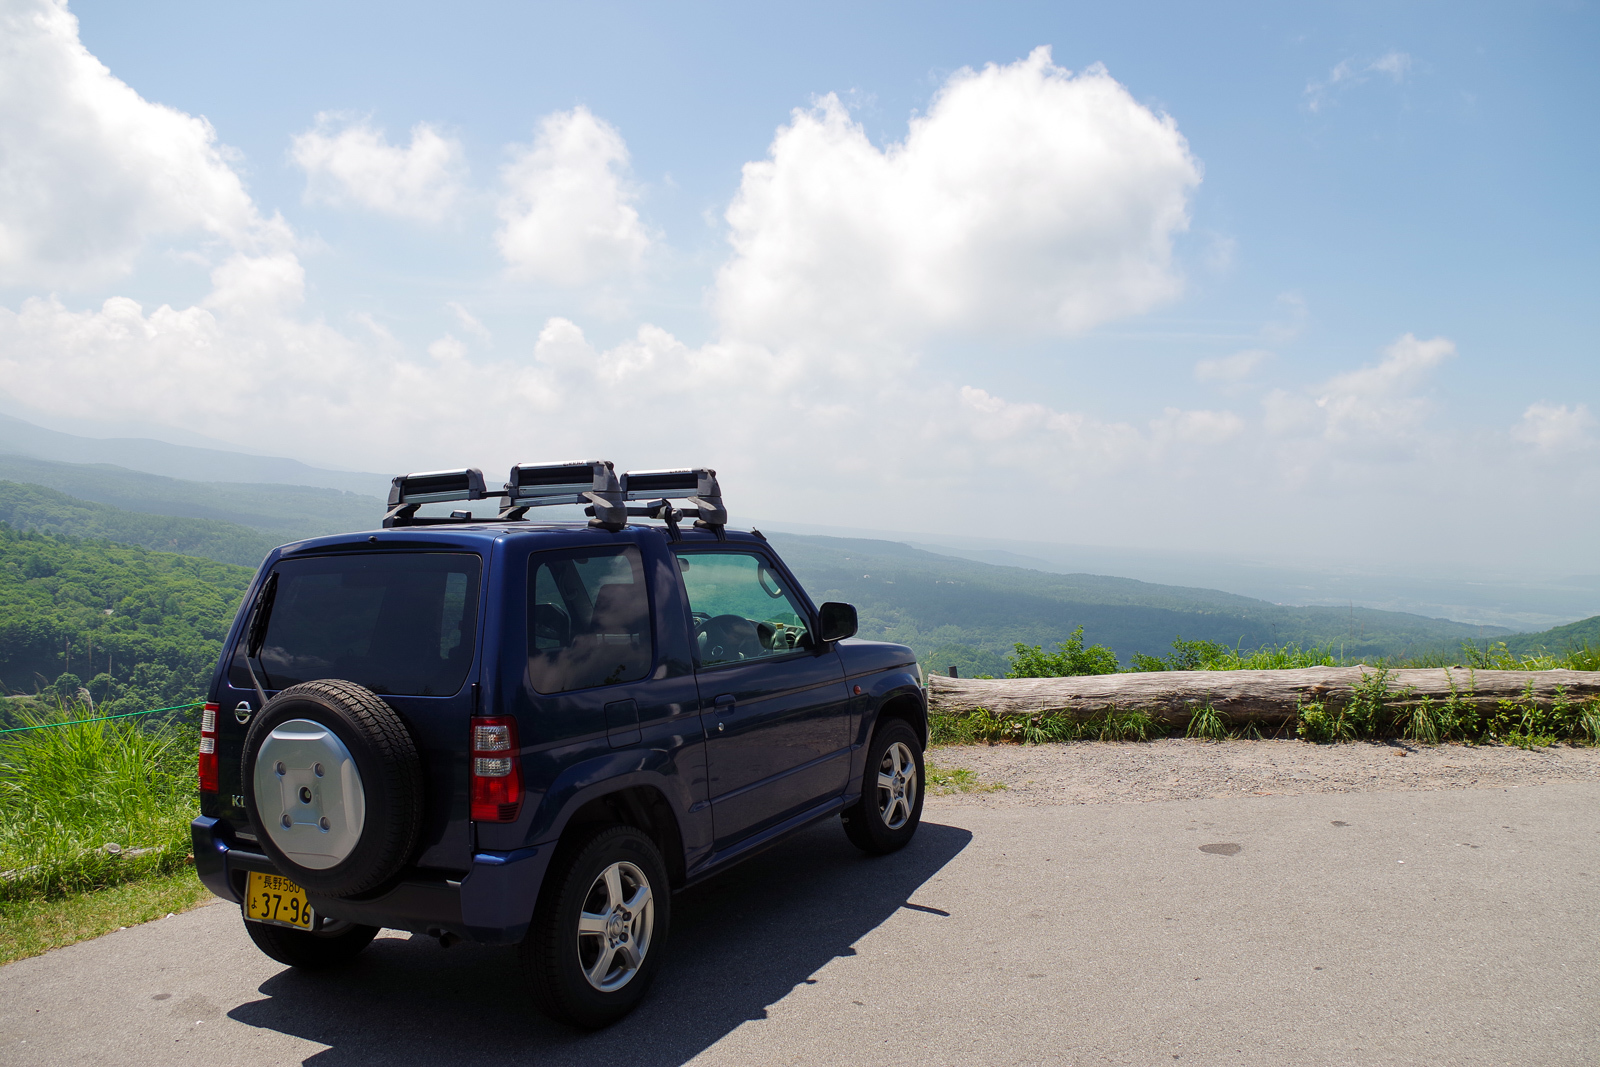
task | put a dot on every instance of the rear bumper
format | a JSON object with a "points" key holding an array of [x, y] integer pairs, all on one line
{"points": [[491, 904]]}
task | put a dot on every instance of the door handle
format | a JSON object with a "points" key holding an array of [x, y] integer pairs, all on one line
{"points": [[725, 702]]}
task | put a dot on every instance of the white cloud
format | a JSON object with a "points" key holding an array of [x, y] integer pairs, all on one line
{"points": [[1365, 423], [90, 171], [469, 321], [1232, 368], [567, 214], [1026, 199], [1556, 428], [1348, 73], [348, 160], [448, 351], [1196, 427], [1395, 64], [1382, 402]]}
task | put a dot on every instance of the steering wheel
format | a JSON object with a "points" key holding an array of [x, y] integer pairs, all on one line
{"points": [[722, 638]]}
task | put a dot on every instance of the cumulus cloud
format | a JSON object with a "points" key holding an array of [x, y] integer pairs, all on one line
{"points": [[567, 214], [1556, 428], [1382, 400], [1373, 417], [349, 161], [1027, 199], [90, 171], [1232, 368]]}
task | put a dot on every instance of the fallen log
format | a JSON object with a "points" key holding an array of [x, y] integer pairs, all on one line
{"points": [[1246, 696]]}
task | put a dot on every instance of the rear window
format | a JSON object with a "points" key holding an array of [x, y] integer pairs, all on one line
{"points": [[399, 623], [588, 620]]}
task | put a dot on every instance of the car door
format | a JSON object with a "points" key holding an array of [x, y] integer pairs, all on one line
{"points": [[773, 700]]}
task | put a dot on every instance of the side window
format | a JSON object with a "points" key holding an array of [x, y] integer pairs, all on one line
{"points": [[588, 620], [741, 608]]}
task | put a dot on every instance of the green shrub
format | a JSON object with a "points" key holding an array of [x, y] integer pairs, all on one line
{"points": [[1073, 659], [1211, 656], [1318, 723]]}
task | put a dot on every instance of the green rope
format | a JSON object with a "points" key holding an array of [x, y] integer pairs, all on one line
{"points": [[102, 718]]}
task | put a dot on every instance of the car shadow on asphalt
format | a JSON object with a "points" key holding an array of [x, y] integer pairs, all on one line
{"points": [[741, 942]]}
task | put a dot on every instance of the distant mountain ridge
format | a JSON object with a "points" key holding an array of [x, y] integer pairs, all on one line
{"points": [[21, 438], [961, 612], [284, 512]]}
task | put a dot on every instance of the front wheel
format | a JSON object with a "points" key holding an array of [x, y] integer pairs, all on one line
{"points": [[335, 943], [886, 817], [600, 929]]}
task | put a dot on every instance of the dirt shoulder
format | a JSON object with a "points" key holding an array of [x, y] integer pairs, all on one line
{"points": [[1179, 769]]}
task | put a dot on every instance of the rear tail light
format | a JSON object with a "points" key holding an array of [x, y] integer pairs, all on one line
{"points": [[208, 748], [496, 773]]}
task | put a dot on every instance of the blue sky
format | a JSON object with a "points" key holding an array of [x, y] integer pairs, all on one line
{"points": [[1352, 176]]}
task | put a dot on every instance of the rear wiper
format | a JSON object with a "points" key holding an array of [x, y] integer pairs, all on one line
{"points": [[256, 634]]}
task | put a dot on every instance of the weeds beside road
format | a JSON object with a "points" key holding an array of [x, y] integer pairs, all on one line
{"points": [[94, 829]]}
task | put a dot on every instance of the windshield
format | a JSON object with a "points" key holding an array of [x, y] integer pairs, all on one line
{"points": [[399, 623]]}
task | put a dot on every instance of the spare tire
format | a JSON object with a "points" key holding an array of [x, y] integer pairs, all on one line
{"points": [[333, 783]]}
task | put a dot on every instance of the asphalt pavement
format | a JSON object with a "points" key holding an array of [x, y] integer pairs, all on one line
{"points": [[1449, 927]]}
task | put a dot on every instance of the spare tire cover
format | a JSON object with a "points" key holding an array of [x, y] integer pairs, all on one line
{"points": [[333, 783]]}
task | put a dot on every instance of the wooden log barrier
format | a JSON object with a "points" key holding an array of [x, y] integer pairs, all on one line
{"points": [[1244, 696]]}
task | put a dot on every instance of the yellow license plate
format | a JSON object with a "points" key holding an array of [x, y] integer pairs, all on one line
{"points": [[271, 898]]}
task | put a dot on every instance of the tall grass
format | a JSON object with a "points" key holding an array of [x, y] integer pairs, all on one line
{"points": [[92, 804]]}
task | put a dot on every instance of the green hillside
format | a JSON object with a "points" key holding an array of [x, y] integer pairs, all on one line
{"points": [[1585, 633], [282, 512], [33, 507], [138, 629], [143, 626], [970, 614]]}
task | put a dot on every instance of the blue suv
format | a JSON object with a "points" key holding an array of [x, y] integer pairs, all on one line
{"points": [[519, 732]]}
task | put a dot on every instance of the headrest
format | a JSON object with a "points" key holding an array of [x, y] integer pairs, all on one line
{"points": [[619, 607]]}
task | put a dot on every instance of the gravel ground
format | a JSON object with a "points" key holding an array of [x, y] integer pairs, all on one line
{"points": [[1181, 769]]}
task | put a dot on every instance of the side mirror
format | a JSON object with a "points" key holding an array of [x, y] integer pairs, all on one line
{"points": [[838, 621]]}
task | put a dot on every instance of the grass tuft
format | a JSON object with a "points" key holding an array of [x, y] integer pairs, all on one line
{"points": [[943, 780], [1207, 724], [92, 805]]}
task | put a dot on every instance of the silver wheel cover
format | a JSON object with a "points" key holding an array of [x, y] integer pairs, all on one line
{"points": [[309, 794], [897, 785], [614, 927]]}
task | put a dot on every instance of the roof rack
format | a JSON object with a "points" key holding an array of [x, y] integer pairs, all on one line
{"points": [[591, 483]]}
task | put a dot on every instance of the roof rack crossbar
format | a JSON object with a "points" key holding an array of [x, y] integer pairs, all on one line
{"points": [[696, 485], [592, 484]]}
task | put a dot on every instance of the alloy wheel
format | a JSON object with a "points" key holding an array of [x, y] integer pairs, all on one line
{"points": [[897, 785], [614, 926]]}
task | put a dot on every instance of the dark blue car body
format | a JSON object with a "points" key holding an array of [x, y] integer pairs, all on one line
{"points": [[715, 763]]}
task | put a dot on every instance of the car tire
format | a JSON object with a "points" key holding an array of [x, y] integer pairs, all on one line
{"points": [[886, 817], [579, 967], [367, 821], [308, 950]]}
